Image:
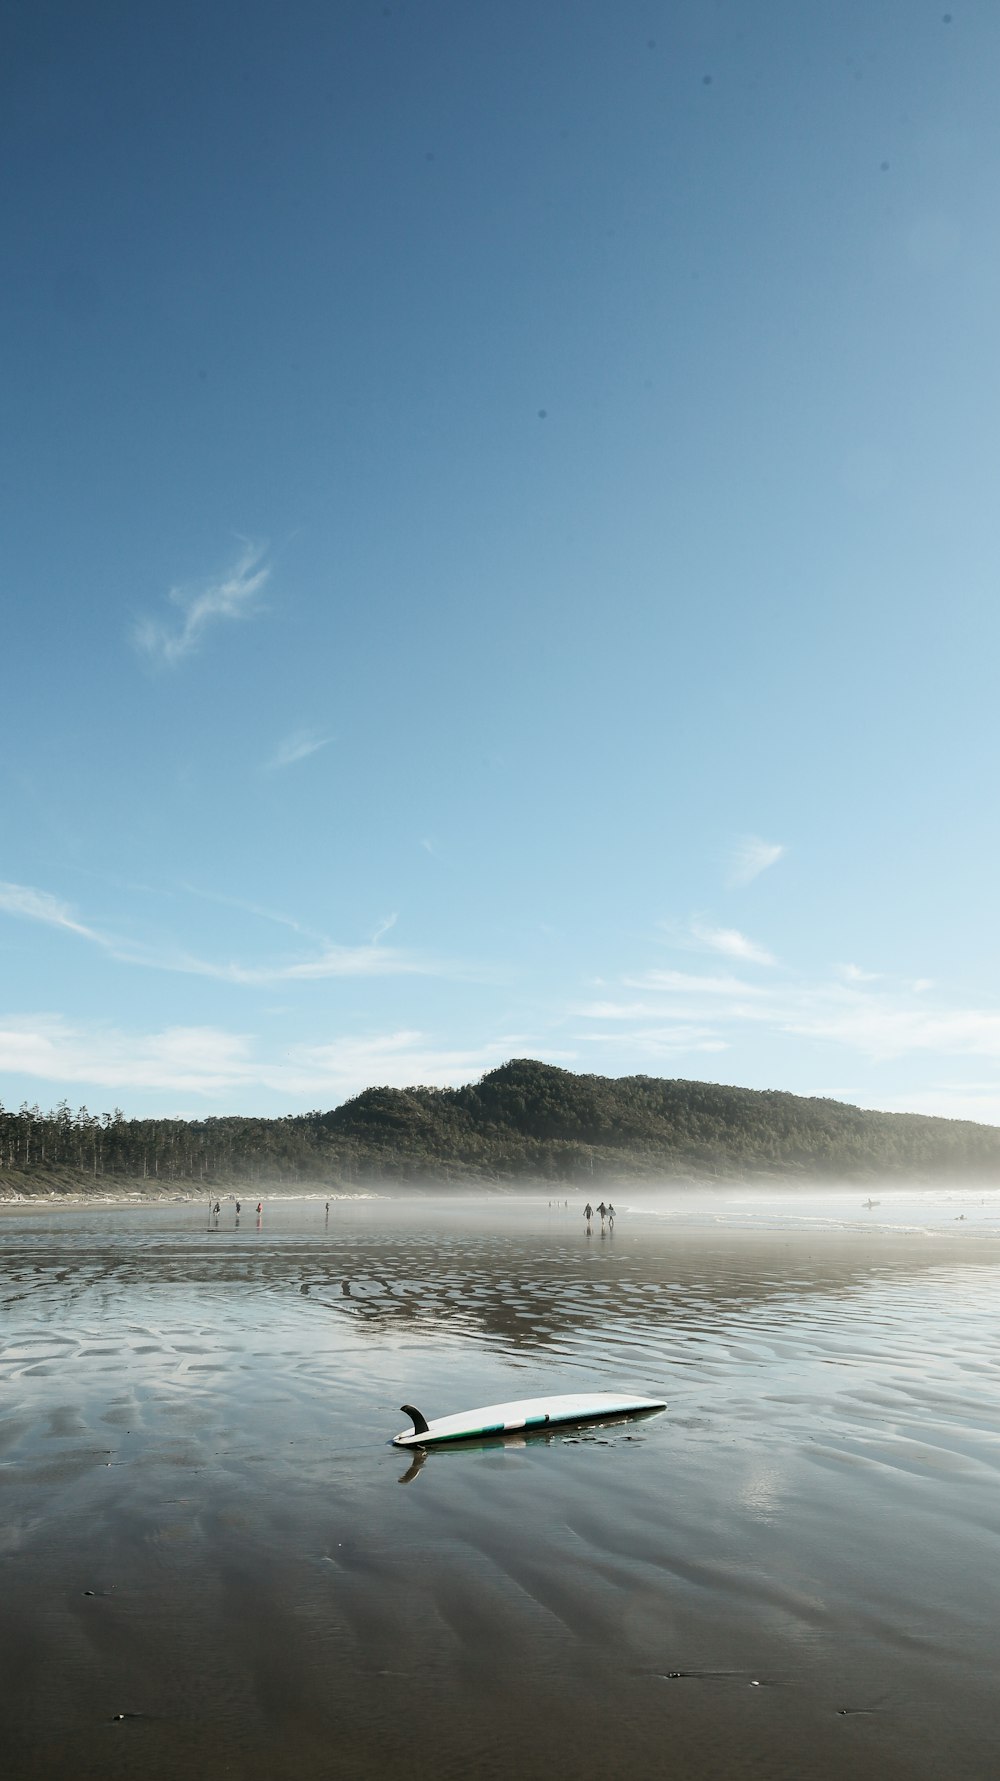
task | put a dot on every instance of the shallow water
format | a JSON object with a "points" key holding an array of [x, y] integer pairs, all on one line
{"points": [[202, 1526]]}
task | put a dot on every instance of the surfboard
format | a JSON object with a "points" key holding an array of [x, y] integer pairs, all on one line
{"points": [[522, 1413]]}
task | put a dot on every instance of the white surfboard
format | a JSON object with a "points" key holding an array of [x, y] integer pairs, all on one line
{"points": [[523, 1413]]}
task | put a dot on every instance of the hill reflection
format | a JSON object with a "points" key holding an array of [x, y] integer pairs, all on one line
{"points": [[536, 1290]]}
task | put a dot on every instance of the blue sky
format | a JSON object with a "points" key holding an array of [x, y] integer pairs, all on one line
{"points": [[499, 548]]}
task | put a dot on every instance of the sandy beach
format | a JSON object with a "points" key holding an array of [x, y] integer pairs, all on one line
{"points": [[213, 1562]]}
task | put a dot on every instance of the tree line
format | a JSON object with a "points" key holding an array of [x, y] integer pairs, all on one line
{"points": [[526, 1121]]}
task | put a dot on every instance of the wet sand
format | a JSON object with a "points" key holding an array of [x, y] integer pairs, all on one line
{"points": [[202, 1526]]}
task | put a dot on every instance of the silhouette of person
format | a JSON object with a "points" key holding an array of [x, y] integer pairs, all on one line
{"points": [[588, 1211]]}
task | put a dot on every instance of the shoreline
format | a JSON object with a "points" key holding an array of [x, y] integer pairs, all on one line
{"points": [[76, 1201]]}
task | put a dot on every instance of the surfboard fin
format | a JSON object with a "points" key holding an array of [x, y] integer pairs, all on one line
{"points": [[419, 1421]]}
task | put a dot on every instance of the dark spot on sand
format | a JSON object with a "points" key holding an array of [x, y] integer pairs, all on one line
{"points": [[707, 1676]]}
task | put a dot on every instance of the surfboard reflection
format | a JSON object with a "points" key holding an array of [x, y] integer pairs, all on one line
{"points": [[563, 1435]]}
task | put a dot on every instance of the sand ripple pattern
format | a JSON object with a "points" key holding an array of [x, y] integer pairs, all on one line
{"points": [[201, 1522]]}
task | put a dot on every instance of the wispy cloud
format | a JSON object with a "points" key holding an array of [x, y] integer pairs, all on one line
{"points": [[232, 596], [854, 974], [37, 905], [665, 1041], [893, 1020], [384, 927], [979, 1101], [370, 960], [296, 747], [732, 944], [182, 1059], [331, 960], [272, 915], [690, 983], [213, 1063], [751, 857], [886, 1026]]}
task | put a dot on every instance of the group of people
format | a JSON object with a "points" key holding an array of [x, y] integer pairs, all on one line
{"points": [[606, 1212]]}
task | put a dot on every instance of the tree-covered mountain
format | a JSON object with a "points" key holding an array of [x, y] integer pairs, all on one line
{"points": [[525, 1122]]}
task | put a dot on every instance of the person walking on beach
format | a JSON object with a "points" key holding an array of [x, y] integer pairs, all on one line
{"points": [[260, 1207], [602, 1209], [237, 1208], [611, 1215], [588, 1211]]}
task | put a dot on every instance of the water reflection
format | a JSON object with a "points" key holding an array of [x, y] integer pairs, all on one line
{"points": [[601, 1434], [539, 1290], [195, 1463]]}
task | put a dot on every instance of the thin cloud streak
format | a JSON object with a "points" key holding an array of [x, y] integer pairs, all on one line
{"points": [[370, 960], [732, 944], [752, 857], [232, 597], [296, 747], [272, 915], [24, 901], [334, 961]]}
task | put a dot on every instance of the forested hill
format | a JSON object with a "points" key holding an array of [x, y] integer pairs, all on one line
{"points": [[524, 1123]]}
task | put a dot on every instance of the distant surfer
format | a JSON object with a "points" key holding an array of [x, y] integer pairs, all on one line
{"points": [[237, 1208], [611, 1213], [216, 1208], [260, 1207], [588, 1211], [602, 1209]]}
